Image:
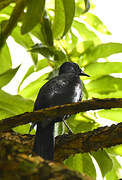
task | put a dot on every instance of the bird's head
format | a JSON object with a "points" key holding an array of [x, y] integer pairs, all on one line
{"points": [[69, 67]]}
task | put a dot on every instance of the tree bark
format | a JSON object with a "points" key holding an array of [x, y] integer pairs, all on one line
{"points": [[16, 162], [65, 145], [58, 111]]}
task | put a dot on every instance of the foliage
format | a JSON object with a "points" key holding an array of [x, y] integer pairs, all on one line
{"points": [[63, 28]]}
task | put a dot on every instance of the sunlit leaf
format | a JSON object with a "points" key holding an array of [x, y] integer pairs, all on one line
{"points": [[81, 123], [112, 114], [11, 105], [113, 174], [103, 160], [24, 40], [96, 23], [69, 9], [24, 129], [33, 15], [85, 33], [101, 51], [7, 76], [70, 43], [114, 94], [41, 64], [81, 163], [59, 19], [5, 59], [101, 85], [82, 47], [98, 69], [115, 150], [7, 10], [31, 90]]}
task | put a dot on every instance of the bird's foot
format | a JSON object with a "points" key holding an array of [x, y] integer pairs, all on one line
{"points": [[70, 132]]}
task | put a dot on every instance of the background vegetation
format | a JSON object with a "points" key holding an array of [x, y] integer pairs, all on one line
{"points": [[66, 30]]}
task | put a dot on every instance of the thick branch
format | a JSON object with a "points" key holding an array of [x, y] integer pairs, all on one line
{"points": [[65, 145], [31, 168], [15, 162], [59, 111], [99, 138]]}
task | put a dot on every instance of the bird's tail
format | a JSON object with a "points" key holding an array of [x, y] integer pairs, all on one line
{"points": [[44, 142]]}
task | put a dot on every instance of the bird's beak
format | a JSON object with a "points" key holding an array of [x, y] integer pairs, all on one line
{"points": [[84, 74]]}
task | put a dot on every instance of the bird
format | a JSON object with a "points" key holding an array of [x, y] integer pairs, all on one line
{"points": [[63, 89]]}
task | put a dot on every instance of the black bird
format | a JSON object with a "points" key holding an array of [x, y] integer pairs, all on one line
{"points": [[63, 89]]}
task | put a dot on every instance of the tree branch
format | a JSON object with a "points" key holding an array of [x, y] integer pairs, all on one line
{"points": [[59, 111], [16, 162], [4, 3], [9, 26], [102, 137], [22, 166], [65, 145]]}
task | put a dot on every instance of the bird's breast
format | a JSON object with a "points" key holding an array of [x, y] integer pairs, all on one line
{"points": [[77, 93]]}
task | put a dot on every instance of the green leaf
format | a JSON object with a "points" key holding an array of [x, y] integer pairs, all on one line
{"points": [[33, 88], [81, 163], [46, 31], [24, 129], [70, 43], [81, 123], [97, 69], [112, 114], [40, 65], [113, 174], [33, 15], [73, 38], [34, 58], [49, 53], [115, 150], [69, 10], [44, 50], [24, 40], [36, 31], [83, 46], [59, 19], [87, 6], [7, 76], [96, 23], [6, 11], [85, 33], [5, 112], [101, 51], [103, 160], [43, 31], [101, 85], [11, 105], [5, 59], [82, 7]]}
